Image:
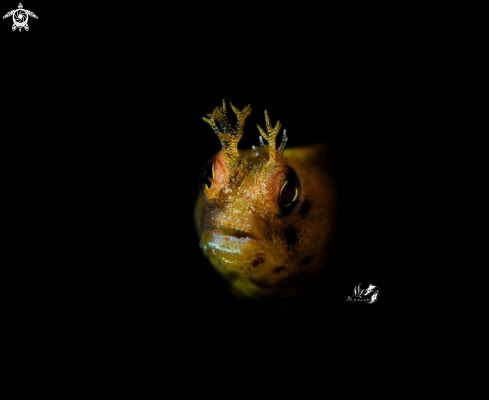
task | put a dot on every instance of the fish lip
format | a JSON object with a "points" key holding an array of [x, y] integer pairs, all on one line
{"points": [[236, 226], [235, 232]]}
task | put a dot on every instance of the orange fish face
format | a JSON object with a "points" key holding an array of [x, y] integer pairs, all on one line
{"points": [[255, 217]]}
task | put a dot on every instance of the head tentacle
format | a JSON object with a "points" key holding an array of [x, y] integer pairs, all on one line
{"points": [[228, 135], [270, 137]]}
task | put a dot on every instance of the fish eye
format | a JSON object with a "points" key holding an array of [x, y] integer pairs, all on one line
{"points": [[204, 181], [289, 193]]}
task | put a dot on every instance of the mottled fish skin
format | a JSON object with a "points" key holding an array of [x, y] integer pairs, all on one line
{"points": [[265, 216]]}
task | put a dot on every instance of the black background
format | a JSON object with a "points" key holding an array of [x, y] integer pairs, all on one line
{"points": [[103, 141]]}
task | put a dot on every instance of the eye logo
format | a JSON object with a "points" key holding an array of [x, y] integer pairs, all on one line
{"points": [[20, 17], [368, 295]]}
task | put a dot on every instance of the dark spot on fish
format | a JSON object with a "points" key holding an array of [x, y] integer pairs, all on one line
{"points": [[260, 284], [305, 208], [278, 269], [290, 235], [258, 261], [305, 261]]}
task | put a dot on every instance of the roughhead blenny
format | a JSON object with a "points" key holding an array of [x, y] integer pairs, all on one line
{"points": [[265, 216]]}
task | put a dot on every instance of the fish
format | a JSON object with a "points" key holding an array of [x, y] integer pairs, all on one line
{"points": [[265, 216]]}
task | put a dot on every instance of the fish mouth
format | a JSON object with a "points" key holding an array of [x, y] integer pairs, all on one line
{"points": [[235, 232], [236, 226], [230, 249]]}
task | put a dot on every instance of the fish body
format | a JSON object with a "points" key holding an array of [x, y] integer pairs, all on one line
{"points": [[265, 216]]}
